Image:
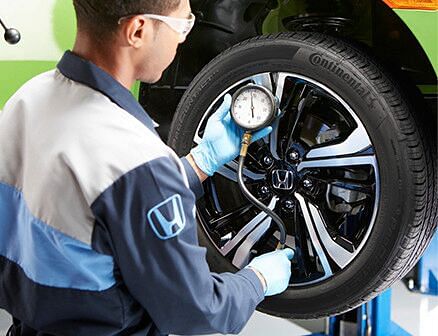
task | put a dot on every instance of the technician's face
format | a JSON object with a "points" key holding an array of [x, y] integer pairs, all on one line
{"points": [[164, 46]]}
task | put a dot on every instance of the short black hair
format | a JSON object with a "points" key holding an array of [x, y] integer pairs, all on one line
{"points": [[101, 17]]}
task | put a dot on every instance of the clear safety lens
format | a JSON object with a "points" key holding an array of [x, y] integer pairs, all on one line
{"points": [[180, 25]]}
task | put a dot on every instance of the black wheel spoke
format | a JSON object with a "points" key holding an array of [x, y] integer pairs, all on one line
{"points": [[310, 225], [229, 171], [301, 247], [229, 217], [297, 114], [274, 144], [243, 241], [325, 246]]}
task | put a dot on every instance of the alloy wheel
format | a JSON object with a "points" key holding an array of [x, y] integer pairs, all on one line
{"points": [[317, 170]]}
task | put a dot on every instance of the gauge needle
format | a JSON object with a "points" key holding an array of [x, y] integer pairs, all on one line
{"points": [[252, 106]]}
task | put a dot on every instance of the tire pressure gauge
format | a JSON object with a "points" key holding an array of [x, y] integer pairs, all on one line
{"points": [[253, 107]]}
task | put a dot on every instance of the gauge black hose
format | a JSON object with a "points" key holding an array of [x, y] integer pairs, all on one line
{"points": [[255, 201]]}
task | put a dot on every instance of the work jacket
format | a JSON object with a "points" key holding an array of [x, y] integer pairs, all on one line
{"points": [[97, 218]]}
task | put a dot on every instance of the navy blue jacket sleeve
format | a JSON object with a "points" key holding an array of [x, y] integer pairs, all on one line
{"points": [[195, 183], [150, 215]]}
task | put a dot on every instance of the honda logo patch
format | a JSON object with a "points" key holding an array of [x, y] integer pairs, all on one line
{"points": [[167, 219], [282, 179]]}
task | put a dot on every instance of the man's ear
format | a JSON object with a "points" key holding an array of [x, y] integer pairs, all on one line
{"points": [[137, 30]]}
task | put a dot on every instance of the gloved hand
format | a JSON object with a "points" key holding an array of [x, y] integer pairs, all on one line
{"points": [[275, 267], [222, 139]]}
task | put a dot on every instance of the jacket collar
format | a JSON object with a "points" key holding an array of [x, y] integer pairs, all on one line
{"points": [[85, 72]]}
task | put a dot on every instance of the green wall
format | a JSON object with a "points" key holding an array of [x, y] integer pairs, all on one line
{"points": [[16, 71], [13, 74]]}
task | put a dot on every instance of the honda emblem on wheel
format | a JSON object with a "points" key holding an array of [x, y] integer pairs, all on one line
{"points": [[282, 179]]}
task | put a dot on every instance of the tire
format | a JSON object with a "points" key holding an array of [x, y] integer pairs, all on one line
{"points": [[406, 215]]}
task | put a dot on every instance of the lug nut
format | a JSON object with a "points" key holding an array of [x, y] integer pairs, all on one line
{"points": [[294, 156], [267, 161], [307, 184], [264, 190], [289, 205]]}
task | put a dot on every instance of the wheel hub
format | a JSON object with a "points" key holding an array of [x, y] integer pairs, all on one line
{"points": [[283, 178]]}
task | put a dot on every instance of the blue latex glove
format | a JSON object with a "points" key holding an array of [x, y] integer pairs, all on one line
{"points": [[275, 267], [222, 139]]}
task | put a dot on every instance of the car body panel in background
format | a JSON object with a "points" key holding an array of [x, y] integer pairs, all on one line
{"points": [[424, 25]]}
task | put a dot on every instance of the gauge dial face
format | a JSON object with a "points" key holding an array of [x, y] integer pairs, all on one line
{"points": [[253, 107]]}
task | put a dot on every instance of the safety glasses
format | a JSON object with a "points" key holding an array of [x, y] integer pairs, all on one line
{"points": [[179, 25]]}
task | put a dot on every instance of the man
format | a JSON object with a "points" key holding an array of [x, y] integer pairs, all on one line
{"points": [[98, 231]]}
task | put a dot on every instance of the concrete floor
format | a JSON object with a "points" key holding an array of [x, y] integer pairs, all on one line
{"points": [[415, 313]]}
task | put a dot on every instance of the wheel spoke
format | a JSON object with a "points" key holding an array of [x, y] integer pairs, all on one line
{"points": [[210, 190], [273, 139], [241, 258], [279, 79], [321, 237], [313, 235], [229, 171], [337, 253], [339, 162], [297, 116], [356, 142], [263, 79], [226, 218], [301, 247], [247, 229]]}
